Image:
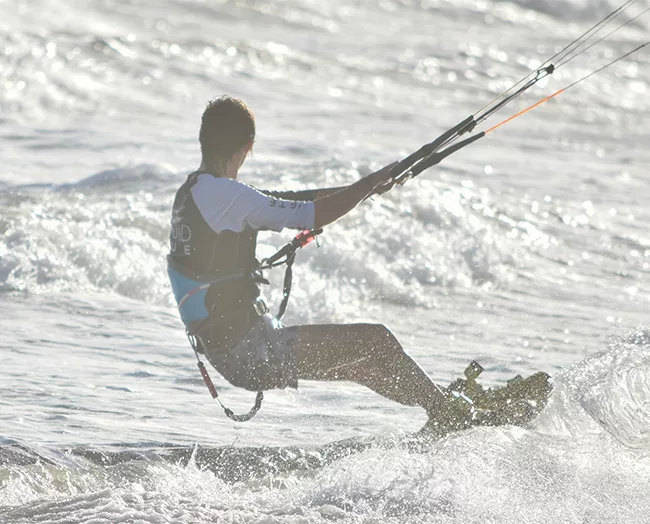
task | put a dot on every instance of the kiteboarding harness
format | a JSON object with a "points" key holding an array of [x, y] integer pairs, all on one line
{"points": [[286, 256]]}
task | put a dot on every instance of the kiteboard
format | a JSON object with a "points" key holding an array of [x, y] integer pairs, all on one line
{"points": [[469, 404]]}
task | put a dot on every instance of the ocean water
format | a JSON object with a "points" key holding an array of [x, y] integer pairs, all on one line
{"points": [[528, 251]]}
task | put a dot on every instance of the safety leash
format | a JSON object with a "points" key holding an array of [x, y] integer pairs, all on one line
{"points": [[213, 390]]}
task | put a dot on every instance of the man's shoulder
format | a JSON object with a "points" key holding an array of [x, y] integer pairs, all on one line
{"points": [[210, 192], [207, 181]]}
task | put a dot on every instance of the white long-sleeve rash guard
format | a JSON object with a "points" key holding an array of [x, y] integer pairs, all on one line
{"points": [[226, 204]]}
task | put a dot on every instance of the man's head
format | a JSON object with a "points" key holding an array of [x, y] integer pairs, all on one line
{"points": [[227, 128]]}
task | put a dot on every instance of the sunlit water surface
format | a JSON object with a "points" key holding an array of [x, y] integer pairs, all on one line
{"points": [[528, 251]]}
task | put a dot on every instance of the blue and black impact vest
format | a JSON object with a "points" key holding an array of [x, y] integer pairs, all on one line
{"points": [[212, 273]]}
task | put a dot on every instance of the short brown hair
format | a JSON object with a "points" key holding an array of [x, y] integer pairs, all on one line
{"points": [[227, 125]]}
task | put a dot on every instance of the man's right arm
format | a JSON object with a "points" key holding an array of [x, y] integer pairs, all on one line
{"points": [[335, 205]]}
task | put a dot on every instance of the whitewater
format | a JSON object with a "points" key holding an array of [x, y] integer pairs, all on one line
{"points": [[527, 251]]}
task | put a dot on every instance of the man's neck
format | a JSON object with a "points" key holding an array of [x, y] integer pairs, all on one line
{"points": [[221, 171]]}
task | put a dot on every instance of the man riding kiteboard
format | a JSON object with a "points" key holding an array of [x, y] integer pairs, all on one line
{"points": [[215, 277]]}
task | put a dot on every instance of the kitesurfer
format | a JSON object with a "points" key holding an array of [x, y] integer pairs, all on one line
{"points": [[215, 275], [213, 272]]}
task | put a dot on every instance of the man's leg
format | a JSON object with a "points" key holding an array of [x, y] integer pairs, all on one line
{"points": [[368, 354]]}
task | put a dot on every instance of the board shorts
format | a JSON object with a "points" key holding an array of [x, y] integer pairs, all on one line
{"points": [[265, 358]]}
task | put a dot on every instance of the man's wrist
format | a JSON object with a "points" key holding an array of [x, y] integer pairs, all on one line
{"points": [[368, 184]]}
